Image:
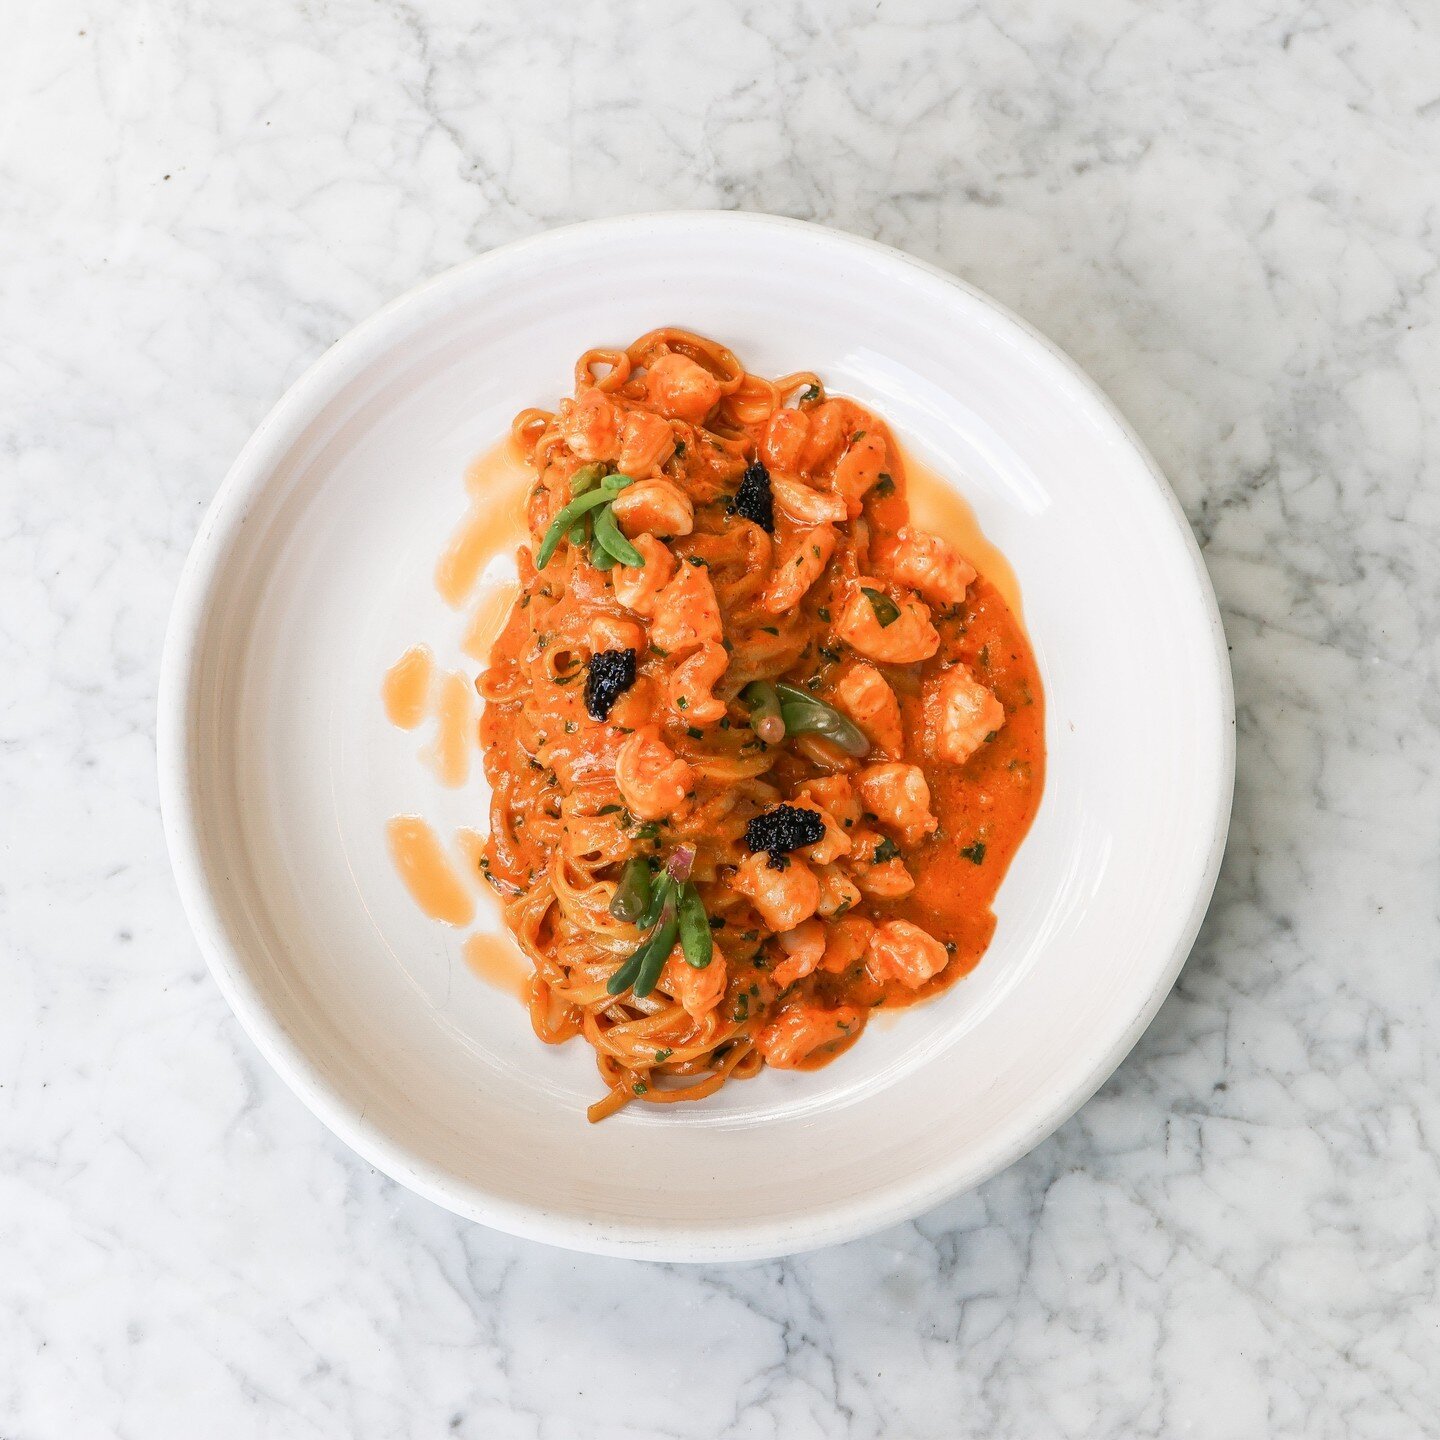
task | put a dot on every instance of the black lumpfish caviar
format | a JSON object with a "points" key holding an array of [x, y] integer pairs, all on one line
{"points": [[611, 674], [785, 828], [753, 500]]}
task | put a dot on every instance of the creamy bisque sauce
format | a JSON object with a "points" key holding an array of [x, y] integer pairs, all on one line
{"points": [[427, 872], [455, 732], [487, 619], [497, 483], [497, 961], [406, 691], [936, 506]]}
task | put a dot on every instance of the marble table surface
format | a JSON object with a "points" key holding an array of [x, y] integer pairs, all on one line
{"points": [[1227, 213]]}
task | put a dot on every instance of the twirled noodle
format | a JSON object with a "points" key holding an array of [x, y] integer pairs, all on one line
{"points": [[895, 901]]}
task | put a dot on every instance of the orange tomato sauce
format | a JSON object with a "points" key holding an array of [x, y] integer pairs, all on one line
{"points": [[406, 689], [844, 591], [433, 882]]}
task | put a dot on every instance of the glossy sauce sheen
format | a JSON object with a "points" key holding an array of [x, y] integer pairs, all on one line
{"points": [[406, 691], [991, 800], [428, 874], [495, 959], [414, 689], [455, 734], [494, 525]]}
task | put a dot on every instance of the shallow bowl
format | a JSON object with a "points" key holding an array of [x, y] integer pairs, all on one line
{"points": [[313, 571]]}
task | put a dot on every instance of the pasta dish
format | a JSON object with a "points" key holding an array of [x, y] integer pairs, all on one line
{"points": [[760, 751]]}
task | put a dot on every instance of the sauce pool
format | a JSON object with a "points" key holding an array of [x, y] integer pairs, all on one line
{"points": [[496, 482], [449, 755], [427, 872], [406, 689]]}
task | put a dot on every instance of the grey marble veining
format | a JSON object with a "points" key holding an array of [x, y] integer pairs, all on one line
{"points": [[1226, 212]]}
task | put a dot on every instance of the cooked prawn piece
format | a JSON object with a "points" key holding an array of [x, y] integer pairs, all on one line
{"points": [[784, 439], [686, 612], [652, 779], [800, 1030], [692, 685], [698, 991], [908, 638], [835, 795], [885, 878], [804, 948], [804, 504], [833, 844], [930, 565], [638, 586], [845, 942], [646, 443], [613, 632], [959, 713], [783, 897], [899, 798], [866, 697], [653, 507], [827, 428], [904, 952], [637, 706], [798, 565], [676, 386], [590, 426], [858, 469], [838, 892]]}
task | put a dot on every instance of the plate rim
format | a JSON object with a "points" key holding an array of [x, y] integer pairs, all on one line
{"points": [[175, 755]]}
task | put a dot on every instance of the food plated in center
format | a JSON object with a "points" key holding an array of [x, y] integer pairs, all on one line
{"points": [[760, 751]]}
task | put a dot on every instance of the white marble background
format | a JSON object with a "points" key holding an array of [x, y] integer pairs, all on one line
{"points": [[1226, 211]]}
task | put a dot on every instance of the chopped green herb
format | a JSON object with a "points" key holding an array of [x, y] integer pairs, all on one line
{"points": [[975, 853], [810, 393], [886, 850], [661, 1056], [639, 1087], [885, 485], [823, 612], [693, 733]]}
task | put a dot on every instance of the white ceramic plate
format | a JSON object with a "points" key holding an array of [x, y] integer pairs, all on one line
{"points": [[312, 572]]}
